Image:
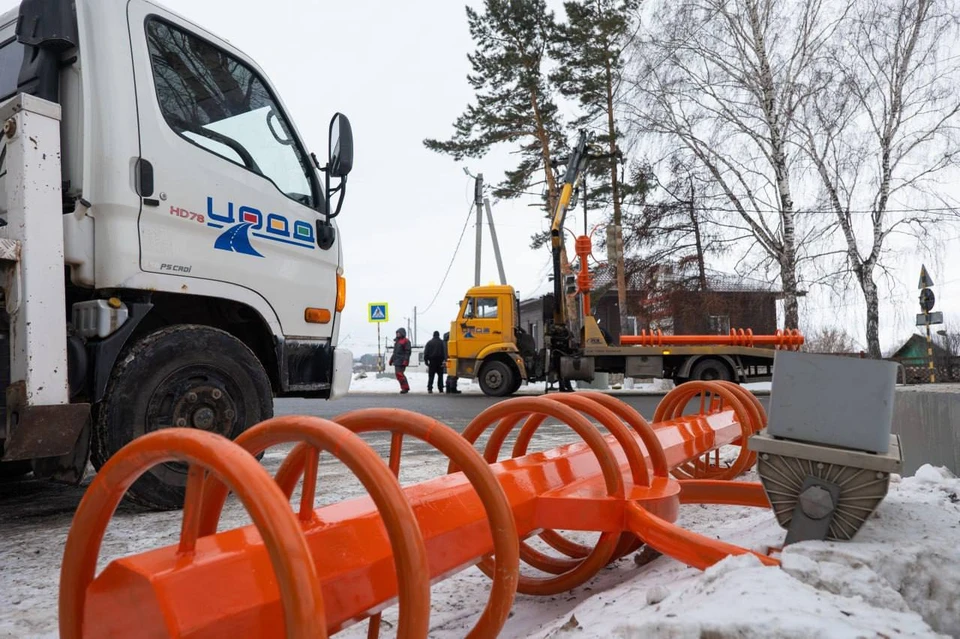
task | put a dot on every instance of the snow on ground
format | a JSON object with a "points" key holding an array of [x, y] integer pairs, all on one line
{"points": [[900, 577], [387, 383]]}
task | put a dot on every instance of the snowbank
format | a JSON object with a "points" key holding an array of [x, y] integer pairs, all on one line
{"points": [[900, 577]]}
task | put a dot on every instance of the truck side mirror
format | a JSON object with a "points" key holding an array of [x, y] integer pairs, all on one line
{"points": [[339, 161], [341, 147]]}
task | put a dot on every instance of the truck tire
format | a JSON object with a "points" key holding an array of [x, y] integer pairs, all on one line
{"points": [[497, 379], [185, 375], [15, 469], [711, 369]]}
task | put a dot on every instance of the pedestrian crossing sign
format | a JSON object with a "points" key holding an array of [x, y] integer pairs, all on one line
{"points": [[377, 312]]}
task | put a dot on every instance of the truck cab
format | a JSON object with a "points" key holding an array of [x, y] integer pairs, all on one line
{"points": [[487, 343], [178, 262]]}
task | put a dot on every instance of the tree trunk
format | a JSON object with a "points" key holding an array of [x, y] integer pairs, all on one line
{"points": [[701, 265], [870, 296], [553, 197], [781, 170], [788, 279], [617, 212]]}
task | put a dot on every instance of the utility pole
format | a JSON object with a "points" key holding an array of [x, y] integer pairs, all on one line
{"points": [[478, 201], [414, 325], [496, 243]]}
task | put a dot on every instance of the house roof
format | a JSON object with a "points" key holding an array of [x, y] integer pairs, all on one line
{"points": [[916, 346], [605, 277]]}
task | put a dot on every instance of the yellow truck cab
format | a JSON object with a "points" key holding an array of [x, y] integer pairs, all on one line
{"points": [[483, 340]]}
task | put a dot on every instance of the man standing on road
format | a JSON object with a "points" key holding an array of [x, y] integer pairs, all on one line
{"points": [[401, 359], [434, 354]]}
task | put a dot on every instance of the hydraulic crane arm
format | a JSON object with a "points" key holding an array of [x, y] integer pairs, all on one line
{"points": [[576, 167], [576, 164]]}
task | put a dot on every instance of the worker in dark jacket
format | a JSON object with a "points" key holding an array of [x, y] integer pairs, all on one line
{"points": [[435, 355], [401, 359]]}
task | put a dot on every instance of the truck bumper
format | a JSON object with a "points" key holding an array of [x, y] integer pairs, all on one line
{"points": [[342, 372]]}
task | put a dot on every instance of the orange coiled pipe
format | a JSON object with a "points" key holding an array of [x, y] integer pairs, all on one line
{"points": [[790, 339], [316, 571], [584, 247]]}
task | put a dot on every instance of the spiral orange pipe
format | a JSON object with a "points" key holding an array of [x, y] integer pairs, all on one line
{"points": [[322, 569], [790, 339]]}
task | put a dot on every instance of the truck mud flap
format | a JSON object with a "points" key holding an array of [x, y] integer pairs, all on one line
{"points": [[41, 431], [306, 368]]}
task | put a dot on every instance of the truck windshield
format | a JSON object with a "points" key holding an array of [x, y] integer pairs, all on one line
{"points": [[11, 58], [219, 103]]}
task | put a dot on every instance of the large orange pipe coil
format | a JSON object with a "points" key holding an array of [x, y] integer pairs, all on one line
{"points": [[310, 572], [790, 339]]}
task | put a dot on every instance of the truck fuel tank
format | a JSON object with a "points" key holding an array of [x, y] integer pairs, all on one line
{"points": [[577, 368]]}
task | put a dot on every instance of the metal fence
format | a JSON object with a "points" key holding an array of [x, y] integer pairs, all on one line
{"points": [[947, 368]]}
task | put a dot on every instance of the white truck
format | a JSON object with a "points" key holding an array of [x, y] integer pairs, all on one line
{"points": [[168, 250]]}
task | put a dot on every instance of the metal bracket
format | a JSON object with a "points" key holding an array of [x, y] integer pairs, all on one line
{"points": [[814, 511], [40, 431]]}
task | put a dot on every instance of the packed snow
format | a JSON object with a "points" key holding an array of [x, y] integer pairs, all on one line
{"points": [[900, 577]]}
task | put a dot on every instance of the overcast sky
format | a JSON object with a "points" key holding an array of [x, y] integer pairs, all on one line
{"points": [[398, 71]]}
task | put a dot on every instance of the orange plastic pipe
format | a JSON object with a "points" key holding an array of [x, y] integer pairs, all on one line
{"points": [[359, 578], [285, 570], [787, 340], [584, 281], [216, 584]]}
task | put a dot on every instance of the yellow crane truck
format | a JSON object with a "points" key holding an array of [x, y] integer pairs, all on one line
{"points": [[487, 342]]}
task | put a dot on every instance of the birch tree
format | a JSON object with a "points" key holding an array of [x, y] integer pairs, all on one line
{"points": [[725, 82], [880, 128]]}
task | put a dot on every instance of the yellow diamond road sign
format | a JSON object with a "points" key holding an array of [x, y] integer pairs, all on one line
{"points": [[377, 312]]}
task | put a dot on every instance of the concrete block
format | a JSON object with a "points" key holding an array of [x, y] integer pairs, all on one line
{"points": [[832, 401], [601, 381], [927, 418]]}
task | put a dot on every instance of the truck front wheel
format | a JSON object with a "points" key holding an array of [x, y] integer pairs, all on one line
{"points": [[497, 379], [711, 370], [180, 376]]}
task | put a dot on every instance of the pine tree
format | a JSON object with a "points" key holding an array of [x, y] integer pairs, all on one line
{"points": [[514, 102], [589, 50]]}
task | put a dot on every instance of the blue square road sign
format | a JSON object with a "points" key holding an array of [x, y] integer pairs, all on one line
{"points": [[377, 312]]}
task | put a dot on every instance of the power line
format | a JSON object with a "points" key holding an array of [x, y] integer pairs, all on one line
{"points": [[802, 211], [466, 222]]}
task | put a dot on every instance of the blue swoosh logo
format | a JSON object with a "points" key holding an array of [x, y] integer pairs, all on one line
{"points": [[237, 240]]}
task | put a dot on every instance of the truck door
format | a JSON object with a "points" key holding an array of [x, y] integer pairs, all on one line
{"points": [[228, 191], [480, 325]]}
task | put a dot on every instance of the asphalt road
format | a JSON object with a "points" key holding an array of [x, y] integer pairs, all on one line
{"points": [[40, 500], [453, 410]]}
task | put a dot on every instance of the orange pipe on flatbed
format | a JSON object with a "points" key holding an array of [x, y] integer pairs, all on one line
{"points": [[562, 488], [790, 339]]}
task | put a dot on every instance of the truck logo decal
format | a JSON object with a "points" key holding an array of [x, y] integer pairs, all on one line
{"points": [[470, 331], [251, 221]]}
